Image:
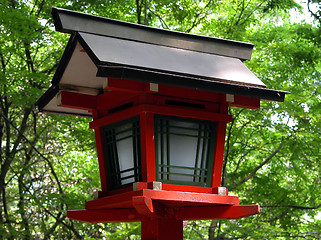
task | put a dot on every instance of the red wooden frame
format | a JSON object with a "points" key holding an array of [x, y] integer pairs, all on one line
{"points": [[147, 147], [218, 155], [149, 205], [146, 113], [159, 210], [139, 87], [101, 161], [162, 110]]}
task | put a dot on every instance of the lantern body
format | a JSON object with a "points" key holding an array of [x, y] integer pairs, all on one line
{"points": [[184, 150], [159, 102], [156, 151], [122, 152], [178, 143]]}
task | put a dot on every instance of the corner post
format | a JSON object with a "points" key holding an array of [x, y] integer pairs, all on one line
{"points": [[147, 147]]}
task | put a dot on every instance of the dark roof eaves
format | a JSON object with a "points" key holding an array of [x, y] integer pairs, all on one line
{"points": [[47, 97], [145, 75]]}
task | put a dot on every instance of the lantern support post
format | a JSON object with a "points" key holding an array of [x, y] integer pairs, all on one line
{"points": [[159, 102], [162, 229], [148, 147]]}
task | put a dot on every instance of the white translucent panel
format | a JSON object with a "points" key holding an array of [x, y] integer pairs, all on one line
{"points": [[183, 150], [183, 145], [125, 152]]}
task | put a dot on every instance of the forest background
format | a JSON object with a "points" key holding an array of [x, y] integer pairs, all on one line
{"points": [[49, 165]]}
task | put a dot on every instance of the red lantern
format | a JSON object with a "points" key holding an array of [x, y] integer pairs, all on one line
{"points": [[159, 102]]}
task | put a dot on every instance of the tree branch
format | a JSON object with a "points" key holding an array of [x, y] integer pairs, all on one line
{"points": [[261, 165], [11, 153], [292, 206], [40, 8], [196, 231], [278, 217], [138, 11], [162, 21], [3, 63], [318, 18], [59, 218], [228, 146], [22, 136], [28, 57], [197, 18], [146, 6]]}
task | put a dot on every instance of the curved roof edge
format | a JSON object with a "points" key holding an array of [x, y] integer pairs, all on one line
{"points": [[68, 21]]}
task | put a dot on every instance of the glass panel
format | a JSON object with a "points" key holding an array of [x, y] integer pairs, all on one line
{"points": [[122, 152], [184, 150]]}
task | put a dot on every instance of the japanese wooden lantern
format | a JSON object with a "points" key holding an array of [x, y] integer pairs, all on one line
{"points": [[159, 102]]}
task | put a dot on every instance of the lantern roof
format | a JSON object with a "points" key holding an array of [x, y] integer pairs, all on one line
{"points": [[101, 48]]}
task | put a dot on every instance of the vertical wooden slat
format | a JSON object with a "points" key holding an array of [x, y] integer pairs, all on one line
{"points": [[147, 147], [101, 160], [135, 150], [218, 154], [168, 157], [199, 140]]}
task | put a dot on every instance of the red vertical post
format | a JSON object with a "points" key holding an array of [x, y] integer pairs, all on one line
{"points": [[101, 160], [162, 229], [147, 147], [219, 149], [218, 155]]}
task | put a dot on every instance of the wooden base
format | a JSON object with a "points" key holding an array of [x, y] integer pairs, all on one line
{"points": [[147, 204], [162, 212]]}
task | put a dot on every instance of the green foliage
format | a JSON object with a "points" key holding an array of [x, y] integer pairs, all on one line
{"points": [[48, 163]]}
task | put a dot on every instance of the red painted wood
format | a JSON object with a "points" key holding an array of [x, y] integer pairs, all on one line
{"points": [[181, 213], [123, 200], [116, 117], [143, 205], [216, 212], [162, 229], [147, 147], [164, 110], [146, 207], [188, 93], [218, 155], [147, 139], [126, 85], [112, 99], [188, 198], [185, 188], [169, 198], [101, 160], [184, 93], [114, 192], [188, 113], [173, 187], [77, 100], [223, 108], [94, 113], [152, 209], [157, 208], [184, 103], [245, 102], [105, 215]]}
